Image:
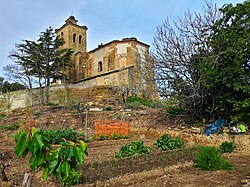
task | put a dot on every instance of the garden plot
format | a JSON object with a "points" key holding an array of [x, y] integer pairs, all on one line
{"points": [[101, 168]]}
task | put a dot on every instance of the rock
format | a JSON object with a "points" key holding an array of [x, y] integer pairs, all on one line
{"points": [[142, 136], [128, 110], [37, 112], [246, 185], [96, 109], [245, 181], [195, 130]]}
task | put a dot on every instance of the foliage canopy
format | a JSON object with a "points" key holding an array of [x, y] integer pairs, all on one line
{"points": [[203, 60]]}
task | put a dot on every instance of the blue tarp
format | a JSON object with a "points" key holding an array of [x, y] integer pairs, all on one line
{"points": [[216, 127]]}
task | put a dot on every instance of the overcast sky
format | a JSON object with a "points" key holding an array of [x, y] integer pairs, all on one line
{"points": [[106, 19]]}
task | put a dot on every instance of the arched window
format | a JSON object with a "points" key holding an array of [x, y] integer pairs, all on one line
{"points": [[61, 34], [100, 66], [80, 39], [74, 37]]}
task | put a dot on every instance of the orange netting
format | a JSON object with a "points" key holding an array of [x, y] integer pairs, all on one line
{"points": [[109, 127]]}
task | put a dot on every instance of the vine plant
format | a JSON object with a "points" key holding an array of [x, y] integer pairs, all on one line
{"points": [[59, 160]]}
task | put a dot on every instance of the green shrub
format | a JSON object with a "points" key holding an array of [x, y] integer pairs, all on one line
{"points": [[143, 101], [168, 143], [227, 147], [57, 136], [209, 158], [138, 102], [133, 149]]}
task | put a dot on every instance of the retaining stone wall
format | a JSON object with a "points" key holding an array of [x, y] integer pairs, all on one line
{"points": [[21, 98]]}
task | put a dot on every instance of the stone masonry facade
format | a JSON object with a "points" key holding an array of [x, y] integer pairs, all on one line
{"points": [[123, 62]]}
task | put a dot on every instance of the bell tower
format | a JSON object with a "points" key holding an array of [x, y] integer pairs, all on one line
{"points": [[75, 38], [74, 35]]}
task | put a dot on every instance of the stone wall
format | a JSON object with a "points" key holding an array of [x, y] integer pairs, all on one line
{"points": [[12, 100], [57, 95]]}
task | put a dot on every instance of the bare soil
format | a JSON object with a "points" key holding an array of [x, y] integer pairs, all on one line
{"points": [[181, 173]]}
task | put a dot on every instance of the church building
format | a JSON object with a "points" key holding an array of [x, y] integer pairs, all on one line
{"points": [[124, 62]]}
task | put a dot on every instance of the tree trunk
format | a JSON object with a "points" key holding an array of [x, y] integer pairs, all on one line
{"points": [[46, 94], [40, 92]]}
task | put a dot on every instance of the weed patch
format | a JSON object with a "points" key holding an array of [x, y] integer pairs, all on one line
{"points": [[209, 158], [10, 127], [227, 147]]}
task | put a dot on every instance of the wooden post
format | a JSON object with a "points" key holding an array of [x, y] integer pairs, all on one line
{"points": [[2, 172], [27, 180]]}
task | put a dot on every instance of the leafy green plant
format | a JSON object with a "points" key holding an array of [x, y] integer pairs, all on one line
{"points": [[59, 160], [57, 136], [209, 158], [133, 149], [116, 136], [168, 143], [102, 137], [227, 147]]}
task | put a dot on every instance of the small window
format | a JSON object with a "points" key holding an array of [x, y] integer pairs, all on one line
{"points": [[74, 37], [62, 34], [100, 66], [80, 39]]}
